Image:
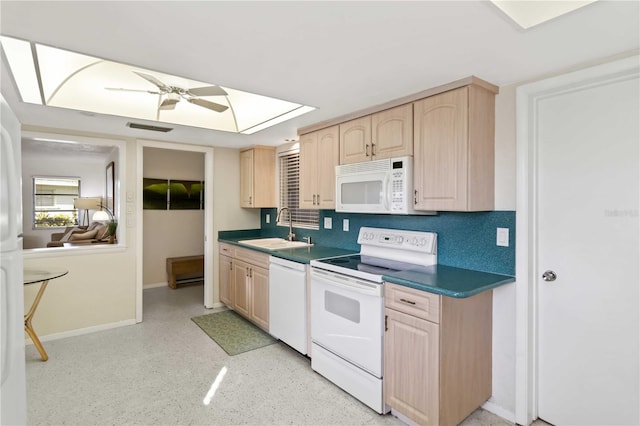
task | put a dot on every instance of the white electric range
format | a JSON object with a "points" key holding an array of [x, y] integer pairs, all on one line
{"points": [[347, 308]]}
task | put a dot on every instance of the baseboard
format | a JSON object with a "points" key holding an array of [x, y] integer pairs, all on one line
{"points": [[81, 331], [499, 411], [154, 285]]}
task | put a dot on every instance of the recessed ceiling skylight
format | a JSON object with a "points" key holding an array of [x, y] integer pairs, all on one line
{"points": [[54, 77], [530, 13]]}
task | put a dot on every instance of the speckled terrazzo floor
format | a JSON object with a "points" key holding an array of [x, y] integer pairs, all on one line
{"points": [[159, 372]]}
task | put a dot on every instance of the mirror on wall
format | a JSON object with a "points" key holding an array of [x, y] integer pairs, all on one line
{"points": [[66, 181]]}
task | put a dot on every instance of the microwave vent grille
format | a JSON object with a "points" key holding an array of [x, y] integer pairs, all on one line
{"points": [[367, 166]]}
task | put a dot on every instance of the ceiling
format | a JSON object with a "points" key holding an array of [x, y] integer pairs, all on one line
{"points": [[339, 57]]}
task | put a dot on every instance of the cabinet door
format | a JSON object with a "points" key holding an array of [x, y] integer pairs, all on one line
{"points": [[328, 158], [355, 140], [441, 154], [308, 170], [246, 178], [411, 380], [241, 283], [392, 132], [260, 296], [226, 281]]}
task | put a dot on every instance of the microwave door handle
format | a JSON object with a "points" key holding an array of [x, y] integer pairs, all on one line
{"points": [[388, 194]]}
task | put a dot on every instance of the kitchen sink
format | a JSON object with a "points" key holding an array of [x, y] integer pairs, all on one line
{"points": [[274, 243]]}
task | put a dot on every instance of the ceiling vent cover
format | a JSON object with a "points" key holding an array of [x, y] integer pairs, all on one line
{"points": [[149, 127]]}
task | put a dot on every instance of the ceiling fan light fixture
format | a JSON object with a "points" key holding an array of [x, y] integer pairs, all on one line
{"points": [[170, 101]]}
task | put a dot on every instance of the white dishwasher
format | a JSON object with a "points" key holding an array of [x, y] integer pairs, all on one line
{"points": [[288, 302]]}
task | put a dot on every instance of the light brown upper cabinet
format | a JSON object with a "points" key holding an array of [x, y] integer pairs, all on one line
{"points": [[257, 177], [392, 132], [318, 158], [384, 134], [454, 150], [355, 140]]}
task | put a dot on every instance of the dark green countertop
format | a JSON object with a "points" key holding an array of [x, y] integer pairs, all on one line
{"points": [[439, 279], [448, 280], [297, 254]]}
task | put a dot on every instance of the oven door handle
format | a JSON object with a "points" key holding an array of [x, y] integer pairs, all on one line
{"points": [[347, 283]]}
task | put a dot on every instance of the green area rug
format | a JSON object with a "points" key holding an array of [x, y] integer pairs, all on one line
{"points": [[233, 333]]}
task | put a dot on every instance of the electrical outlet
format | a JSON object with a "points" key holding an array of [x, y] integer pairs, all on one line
{"points": [[502, 237], [327, 223], [267, 218], [345, 225]]}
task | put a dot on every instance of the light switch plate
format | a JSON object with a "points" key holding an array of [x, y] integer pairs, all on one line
{"points": [[327, 223], [267, 218], [345, 225], [502, 237]]}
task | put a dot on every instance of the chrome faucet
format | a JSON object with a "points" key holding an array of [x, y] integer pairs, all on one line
{"points": [[291, 235]]}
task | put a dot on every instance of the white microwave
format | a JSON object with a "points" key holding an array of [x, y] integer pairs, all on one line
{"points": [[379, 186]]}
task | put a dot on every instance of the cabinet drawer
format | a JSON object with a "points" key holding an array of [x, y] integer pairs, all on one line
{"points": [[227, 250], [253, 257], [413, 302]]}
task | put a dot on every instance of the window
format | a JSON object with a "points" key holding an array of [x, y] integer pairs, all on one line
{"points": [[290, 193], [53, 201]]}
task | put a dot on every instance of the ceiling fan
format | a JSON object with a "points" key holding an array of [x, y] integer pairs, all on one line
{"points": [[173, 94]]}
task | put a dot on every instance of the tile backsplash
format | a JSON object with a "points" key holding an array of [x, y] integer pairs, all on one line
{"points": [[465, 240]]}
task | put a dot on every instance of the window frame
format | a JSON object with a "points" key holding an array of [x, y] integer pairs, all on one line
{"points": [[36, 210], [312, 220]]}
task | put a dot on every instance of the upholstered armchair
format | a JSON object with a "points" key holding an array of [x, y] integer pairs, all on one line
{"points": [[96, 232]]}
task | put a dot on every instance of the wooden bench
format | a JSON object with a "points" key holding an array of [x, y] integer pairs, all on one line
{"points": [[184, 269]]}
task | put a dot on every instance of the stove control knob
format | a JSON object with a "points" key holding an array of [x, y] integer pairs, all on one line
{"points": [[423, 242], [414, 241], [399, 239]]}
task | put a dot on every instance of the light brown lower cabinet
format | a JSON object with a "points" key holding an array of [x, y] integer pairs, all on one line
{"points": [[437, 354], [244, 283]]}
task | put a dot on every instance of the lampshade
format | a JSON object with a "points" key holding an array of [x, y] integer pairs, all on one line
{"points": [[100, 216], [87, 203]]}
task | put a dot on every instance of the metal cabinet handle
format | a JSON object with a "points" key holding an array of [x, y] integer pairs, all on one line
{"points": [[366, 150], [318, 202], [314, 199], [549, 276], [373, 149], [250, 201], [415, 196], [410, 302]]}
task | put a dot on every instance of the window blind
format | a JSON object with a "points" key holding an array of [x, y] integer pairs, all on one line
{"points": [[290, 194]]}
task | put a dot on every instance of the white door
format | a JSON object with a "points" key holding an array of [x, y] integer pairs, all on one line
{"points": [[587, 209]]}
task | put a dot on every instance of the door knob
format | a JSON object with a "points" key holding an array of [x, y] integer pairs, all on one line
{"points": [[549, 276]]}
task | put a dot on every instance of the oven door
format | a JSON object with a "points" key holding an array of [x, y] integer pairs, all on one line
{"points": [[347, 318]]}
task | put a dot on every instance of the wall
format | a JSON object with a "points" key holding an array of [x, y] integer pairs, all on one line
{"points": [[89, 168], [227, 213], [99, 290], [170, 233]]}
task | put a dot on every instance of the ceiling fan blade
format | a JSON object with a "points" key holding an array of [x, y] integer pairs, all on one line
{"points": [[154, 80], [207, 91], [168, 104], [210, 105], [120, 89]]}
